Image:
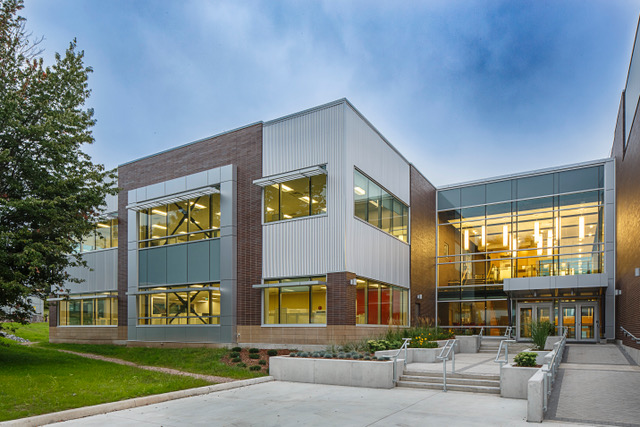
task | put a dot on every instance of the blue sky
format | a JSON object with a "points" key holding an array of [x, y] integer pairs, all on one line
{"points": [[464, 89]]}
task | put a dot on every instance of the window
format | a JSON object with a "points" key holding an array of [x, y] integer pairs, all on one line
{"points": [[376, 206], [104, 236], [180, 305], [295, 304], [89, 310], [179, 222], [381, 304], [296, 198]]}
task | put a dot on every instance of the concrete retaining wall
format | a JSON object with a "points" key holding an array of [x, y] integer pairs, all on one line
{"points": [[415, 355], [513, 381], [468, 344], [634, 353], [353, 373], [535, 397]]}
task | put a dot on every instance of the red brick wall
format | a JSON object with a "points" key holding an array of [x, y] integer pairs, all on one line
{"points": [[242, 148], [423, 247], [627, 230], [341, 299]]}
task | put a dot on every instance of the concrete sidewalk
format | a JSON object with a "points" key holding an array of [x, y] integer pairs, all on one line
{"points": [[293, 404], [466, 363]]}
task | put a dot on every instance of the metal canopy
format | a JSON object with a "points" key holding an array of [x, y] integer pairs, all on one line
{"points": [[286, 284], [172, 199], [289, 176]]}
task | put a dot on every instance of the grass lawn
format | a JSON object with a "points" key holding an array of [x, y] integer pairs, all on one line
{"points": [[38, 380], [32, 332], [198, 360]]}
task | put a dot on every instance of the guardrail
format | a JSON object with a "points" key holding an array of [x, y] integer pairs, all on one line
{"points": [[508, 332], [404, 346], [629, 334], [447, 350], [506, 352]]}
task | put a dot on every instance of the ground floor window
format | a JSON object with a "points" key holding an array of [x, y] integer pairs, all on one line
{"points": [[304, 302], [475, 314], [180, 305], [89, 310], [381, 304]]}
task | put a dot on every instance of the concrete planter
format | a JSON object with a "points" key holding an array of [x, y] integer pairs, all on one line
{"points": [[540, 357], [352, 373], [415, 355], [514, 380], [551, 340], [468, 343]]}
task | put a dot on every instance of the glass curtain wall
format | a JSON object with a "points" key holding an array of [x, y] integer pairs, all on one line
{"points": [[542, 225], [295, 304], [89, 310], [179, 222], [104, 236], [180, 305], [376, 206], [295, 199], [381, 304]]}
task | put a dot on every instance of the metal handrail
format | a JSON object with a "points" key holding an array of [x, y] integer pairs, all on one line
{"points": [[506, 352], [551, 369], [404, 346], [629, 334], [508, 332], [444, 355], [481, 332]]}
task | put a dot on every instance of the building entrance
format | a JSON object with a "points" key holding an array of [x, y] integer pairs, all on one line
{"points": [[529, 313], [581, 319]]}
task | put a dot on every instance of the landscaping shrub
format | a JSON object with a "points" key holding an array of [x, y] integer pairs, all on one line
{"points": [[241, 365], [540, 331], [526, 358], [236, 360], [272, 352], [237, 349], [255, 368], [293, 354], [262, 362], [254, 350], [234, 354], [254, 356]]}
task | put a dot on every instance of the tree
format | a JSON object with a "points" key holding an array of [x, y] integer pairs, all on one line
{"points": [[50, 191]]}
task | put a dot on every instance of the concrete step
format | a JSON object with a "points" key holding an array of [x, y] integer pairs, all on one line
{"points": [[438, 375], [451, 387], [456, 381]]}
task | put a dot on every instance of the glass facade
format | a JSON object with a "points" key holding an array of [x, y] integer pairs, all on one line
{"points": [[543, 225], [180, 305], [376, 206], [381, 304], [179, 222], [104, 236], [295, 199], [89, 310], [295, 304]]}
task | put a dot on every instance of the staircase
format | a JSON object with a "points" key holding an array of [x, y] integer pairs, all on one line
{"points": [[490, 345], [474, 383]]}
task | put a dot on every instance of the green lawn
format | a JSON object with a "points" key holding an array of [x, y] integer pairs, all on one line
{"points": [[198, 360], [38, 380], [32, 332]]}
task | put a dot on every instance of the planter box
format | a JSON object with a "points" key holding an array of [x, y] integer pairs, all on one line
{"points": [[514, 380], [551, 340], [415, 355], [352, 373], [468, 343], [540, 357]]}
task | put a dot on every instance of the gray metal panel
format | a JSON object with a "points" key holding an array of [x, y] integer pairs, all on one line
{"points": [[142, 268], [132, 226], [177, 264], [131, 197], [213, 176], [111, 203], [99, 275], [197, 180], [177, 185], [198, 262], [155, 190], [214, 260], [157, 266]]}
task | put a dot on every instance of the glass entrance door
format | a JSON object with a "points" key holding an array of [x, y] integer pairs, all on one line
{"points": [[525, 318], [580, 319], [529, 313]]}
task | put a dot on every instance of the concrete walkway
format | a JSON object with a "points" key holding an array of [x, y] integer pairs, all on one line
{"points": [[292, 404], [596, 384], [466, 363]]}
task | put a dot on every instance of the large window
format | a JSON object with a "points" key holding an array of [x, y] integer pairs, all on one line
{"points": [[295, 199], [104, 236], [180, 305], [178, 222], [376, 206], [89, 310], [381, 304], [295, 304]]}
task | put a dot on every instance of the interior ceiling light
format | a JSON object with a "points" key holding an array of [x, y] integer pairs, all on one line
{"points": [[304, 199], [286, 187], [484, 242], [581, 227], [505, 235], [103, 225], [536, 231], [159, 226], [157, 212], [359, 191], [549, 243], [466, 240], [199, 206], [286, 216], [268, 210]]}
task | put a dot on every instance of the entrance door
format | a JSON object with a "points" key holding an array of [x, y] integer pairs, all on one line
{"points": [[581, 319], [528, 313]]}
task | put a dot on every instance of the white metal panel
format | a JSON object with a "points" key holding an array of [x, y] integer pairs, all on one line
{"points": [[101, 273], [377, 255], [313, 245]]}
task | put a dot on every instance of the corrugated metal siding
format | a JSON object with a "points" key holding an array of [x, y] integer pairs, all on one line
{"points": [[103, 277], [312, 245]]}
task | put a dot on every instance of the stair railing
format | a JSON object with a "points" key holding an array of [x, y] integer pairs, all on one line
{"points": [[629, 334], [550, 370], [448, 349], [404, 346], [506, 352], [508, 332]]}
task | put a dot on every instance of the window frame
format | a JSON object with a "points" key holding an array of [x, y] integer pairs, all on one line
{"points": [[310, 215]]}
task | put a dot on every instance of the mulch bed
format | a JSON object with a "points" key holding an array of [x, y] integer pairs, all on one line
{"points": [[244, 358]]}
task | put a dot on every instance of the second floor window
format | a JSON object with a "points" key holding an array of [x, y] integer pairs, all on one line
{"points": [[296, 198], [104, 236]]}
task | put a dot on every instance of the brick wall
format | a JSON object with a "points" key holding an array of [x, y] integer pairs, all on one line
{"points": [[242, 148], [627, 229], [423, 247], [341, 299]]}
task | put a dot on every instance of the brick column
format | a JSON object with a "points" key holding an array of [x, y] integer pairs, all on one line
{"points": [[341, 299]]}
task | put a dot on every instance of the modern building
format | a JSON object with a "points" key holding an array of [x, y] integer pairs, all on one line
{"points": [[313, 229]]}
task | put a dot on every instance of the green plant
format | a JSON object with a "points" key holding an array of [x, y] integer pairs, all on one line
{"points": [[254, 350], [254, 356], [241, 365], [237, 349], [262, 362], [236, 360], [234, 354], [255, 368], [272, 352], [539, 332], [526, 359]]}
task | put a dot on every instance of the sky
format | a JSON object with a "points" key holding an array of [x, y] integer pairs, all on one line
{"points": [[464, 89]]}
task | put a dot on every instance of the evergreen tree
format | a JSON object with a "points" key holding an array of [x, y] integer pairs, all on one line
{"points": [[50, 191]]}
